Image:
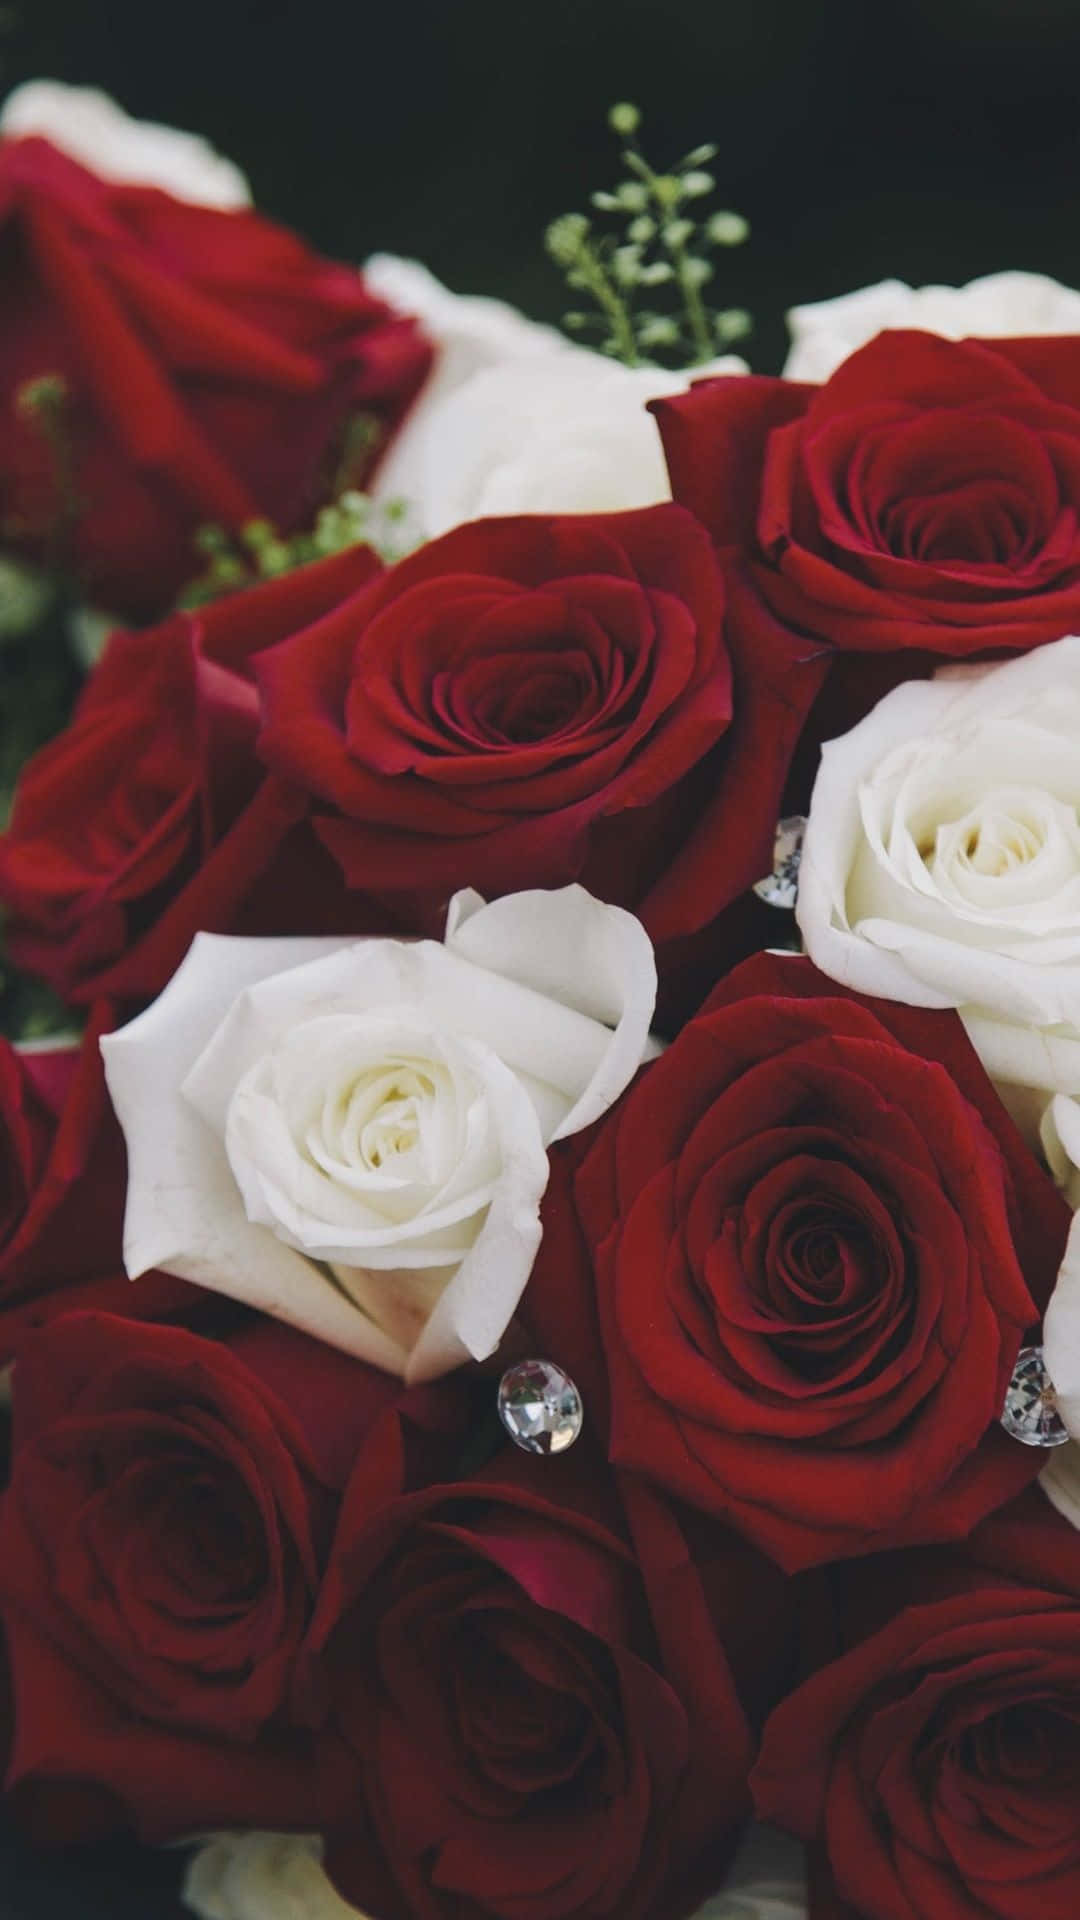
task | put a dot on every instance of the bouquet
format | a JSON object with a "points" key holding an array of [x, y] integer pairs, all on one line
{"points": [[539, 1315]]}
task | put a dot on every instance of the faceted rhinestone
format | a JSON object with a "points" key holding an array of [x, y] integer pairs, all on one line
{"points": [[1030, 1413], [781, 886], [540, 1407]]}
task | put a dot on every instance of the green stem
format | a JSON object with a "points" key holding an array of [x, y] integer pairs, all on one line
{"points": [[695, 308], [609, 301]]}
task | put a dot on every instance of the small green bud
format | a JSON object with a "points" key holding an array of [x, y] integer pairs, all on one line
{"points": [[566, 236], [88, 631], [656, 273], [697, 271], [327, 534], [641, 230], [700, 156], [658, 330], [257, 534], [607, 202], [626, 264], [734, 324], [727, 229], [695, 183], [668, 189], [210, 539], [676, 233], [25, 597], [274, 558], [577, 322], [624, 118], [47, 394], [228, 570], [631, 195]]}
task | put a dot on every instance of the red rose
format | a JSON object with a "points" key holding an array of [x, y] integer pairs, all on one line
{"points": [[936, 1763], [161, 1542], [62, 1179], [537, 1687], [811, 1223], [212, 365], [527, 702], [926, 498], [150, 816]]}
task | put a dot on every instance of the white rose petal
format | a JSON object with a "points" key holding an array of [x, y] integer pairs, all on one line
{"points": [[263, 1876], [279, 1876], [91, 128], [1060, 1481], [352, 1135], [757, 1900], [1061, 1337], [998, 306], [767, 1880], [941, 864], [471, 331], [516, 419], [1059, 1137], [573, 436], [471, 334]]}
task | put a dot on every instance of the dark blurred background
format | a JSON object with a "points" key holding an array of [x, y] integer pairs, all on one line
{"points": [[930, 139]]}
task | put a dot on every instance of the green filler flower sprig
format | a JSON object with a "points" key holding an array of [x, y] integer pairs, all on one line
{"points": [[665, 243]]}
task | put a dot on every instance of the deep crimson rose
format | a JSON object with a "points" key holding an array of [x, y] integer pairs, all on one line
{"points": [[535, 1681], [811, 1229], [62, 1180], [935, 1765], [150, 816], [212, 366], [170, 1509], [531, 701], [926, 498]]}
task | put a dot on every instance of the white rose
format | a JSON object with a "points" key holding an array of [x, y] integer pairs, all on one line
{"points": [[90, 127], [999, 306], [757, 1900], [263, 1876], [941, 864], [571, 436], [1059, 1138], [516, 419], [767, 1880], [279, 1876], [1060, 1481], [471, 334], [351, 1135]]}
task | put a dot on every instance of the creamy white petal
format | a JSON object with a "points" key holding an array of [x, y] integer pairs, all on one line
{"points": [[279, 1876], [571, 436], [1060, 1481], [1061, 1333], [263, 1876], [573, 949], [825, 332]]}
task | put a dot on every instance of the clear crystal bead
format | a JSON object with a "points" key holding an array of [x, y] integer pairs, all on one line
{"points": [[1030, 1413], [540, 1407], [780, 887]]}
